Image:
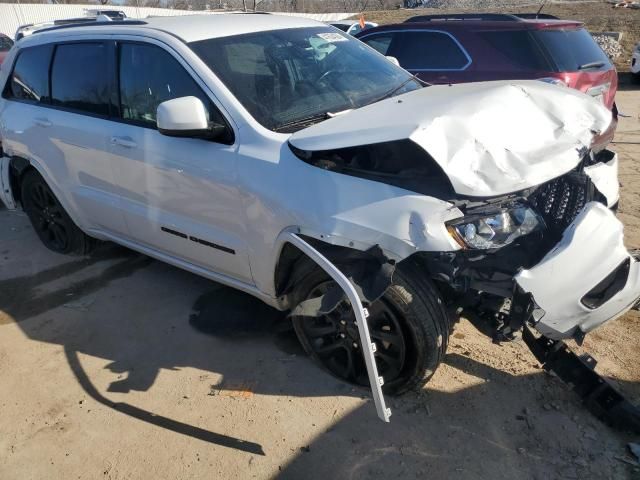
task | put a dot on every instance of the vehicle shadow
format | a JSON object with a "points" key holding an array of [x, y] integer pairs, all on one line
{"points": [[144, 316]]}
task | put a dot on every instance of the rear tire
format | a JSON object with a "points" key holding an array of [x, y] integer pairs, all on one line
{"points": [[51, 222], [409, 325]]}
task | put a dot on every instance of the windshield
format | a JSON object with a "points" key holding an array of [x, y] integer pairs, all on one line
{"points": [[289, 79]]}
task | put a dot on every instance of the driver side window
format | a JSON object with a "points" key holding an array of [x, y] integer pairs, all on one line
{"points": [[149, 76]]}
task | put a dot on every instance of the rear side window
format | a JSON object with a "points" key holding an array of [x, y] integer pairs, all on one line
{"points": [[148, 77], [30, 77], [520, 48], [80, 78], [573, 49], [424, 50]]}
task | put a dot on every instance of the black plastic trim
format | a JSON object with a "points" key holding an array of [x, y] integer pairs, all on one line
{"points": [[213, 245], [174, 232], [608, 287]]}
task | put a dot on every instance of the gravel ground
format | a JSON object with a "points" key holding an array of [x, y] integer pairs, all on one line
{"points": [[610, 45]]}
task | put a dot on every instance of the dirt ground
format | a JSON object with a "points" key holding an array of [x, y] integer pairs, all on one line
{"points": [[116, 366], [597, 17]]}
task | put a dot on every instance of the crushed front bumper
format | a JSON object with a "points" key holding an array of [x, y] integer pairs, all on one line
{"points": [[588, 278]]}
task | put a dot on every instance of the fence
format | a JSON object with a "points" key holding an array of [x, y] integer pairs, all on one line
{"points": [[12, 15]]}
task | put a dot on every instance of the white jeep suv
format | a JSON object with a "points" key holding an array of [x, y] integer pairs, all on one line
{"points": [[260, 151]]}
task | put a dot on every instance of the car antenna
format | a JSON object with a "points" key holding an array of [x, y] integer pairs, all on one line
{"points": [[540, 9]]}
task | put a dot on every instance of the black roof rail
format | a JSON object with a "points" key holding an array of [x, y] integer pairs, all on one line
{"points": [[72, 21], [536, 16], [492, 17], [90, 23]]}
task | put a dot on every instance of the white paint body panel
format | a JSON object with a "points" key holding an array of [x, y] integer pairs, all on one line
{"points": [[635, 65], [605, 178], [591, 248], [490, 138]]}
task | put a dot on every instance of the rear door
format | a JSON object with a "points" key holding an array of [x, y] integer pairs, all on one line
{"points": [[82, 97], [57, 116], [179, 194]]}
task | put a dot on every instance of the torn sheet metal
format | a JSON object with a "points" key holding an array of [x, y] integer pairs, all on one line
{"points": [[590, 250], [5, 184], [605, 178], [360, 313], [369, 272], [490, 138]]}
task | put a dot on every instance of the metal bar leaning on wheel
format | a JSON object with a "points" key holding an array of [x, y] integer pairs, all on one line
{"points": [[361, 314]]}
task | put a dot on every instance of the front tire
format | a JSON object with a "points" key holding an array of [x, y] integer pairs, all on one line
{"points": [[51, 222], [409, 325]]}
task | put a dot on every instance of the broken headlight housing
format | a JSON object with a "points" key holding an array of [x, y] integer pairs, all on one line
{"points": [[495, 229]]}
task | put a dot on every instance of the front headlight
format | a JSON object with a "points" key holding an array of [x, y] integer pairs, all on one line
{"points": [[495, 230]]}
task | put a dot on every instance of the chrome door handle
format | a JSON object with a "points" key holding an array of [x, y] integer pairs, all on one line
{"points": [[125, 142], [42, 122]]}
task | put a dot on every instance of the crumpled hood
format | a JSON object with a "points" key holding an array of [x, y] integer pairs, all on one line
{"points": [[490, 138]]}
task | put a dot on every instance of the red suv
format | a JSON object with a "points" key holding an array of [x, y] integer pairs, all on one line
{"points": [[479, 47], [5, 45]]}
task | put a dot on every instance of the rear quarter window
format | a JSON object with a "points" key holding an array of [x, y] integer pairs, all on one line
{"points": [[30, 77], [424, 50]]}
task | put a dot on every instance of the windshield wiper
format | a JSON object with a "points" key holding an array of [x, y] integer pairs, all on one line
{"points": [[391, 92], [303, 122], [588, 66]]}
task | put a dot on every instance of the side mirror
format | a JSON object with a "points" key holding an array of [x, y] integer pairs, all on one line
{"points": [[187, 117], [393, 60]]}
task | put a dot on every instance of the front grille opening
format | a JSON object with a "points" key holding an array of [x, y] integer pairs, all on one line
{"points": [[608, 287], [561, 200]]}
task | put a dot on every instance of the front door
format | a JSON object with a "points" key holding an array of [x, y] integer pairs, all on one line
{"points": [[179, 195]]}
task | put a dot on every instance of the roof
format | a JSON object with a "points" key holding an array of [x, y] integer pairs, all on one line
{"points": [[192, 28], [475, 25], [520, 20]]}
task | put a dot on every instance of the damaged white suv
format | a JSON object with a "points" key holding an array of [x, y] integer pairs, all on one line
{"points": [[261, 151]]}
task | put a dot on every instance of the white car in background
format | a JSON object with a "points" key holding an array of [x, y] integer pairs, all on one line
{"points": [[351, 27], [635, 60], [291, 161]]}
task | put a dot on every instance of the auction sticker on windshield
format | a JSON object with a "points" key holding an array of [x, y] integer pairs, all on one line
{"points": [[332, 37]]}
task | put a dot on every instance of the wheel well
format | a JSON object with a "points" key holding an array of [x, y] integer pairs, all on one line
{"points": [[19, 167], [293, 265]]}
